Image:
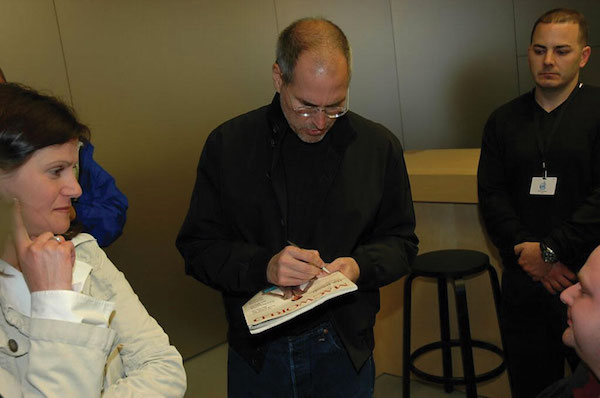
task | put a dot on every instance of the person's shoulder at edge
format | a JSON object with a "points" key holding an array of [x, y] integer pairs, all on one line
{"points": [[104, 271], [565, 387], [84, 240], [370, 132], [591, 92], [237, 125], [238, 135], [519, 105], [88, 251], [590, 87], [516, 106]]}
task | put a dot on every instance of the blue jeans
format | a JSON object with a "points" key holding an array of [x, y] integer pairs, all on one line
{"points": [[313, 364]]}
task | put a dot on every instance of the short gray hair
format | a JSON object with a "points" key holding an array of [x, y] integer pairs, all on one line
{"points": [[308, 34]]}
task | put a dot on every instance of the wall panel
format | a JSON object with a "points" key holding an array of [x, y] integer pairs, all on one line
{"points": [[456, 63], [153, 78], [528, 11], [30, 49], [591, 73]]}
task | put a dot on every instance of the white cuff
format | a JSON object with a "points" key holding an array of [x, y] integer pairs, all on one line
{"points": [[70, 306]]}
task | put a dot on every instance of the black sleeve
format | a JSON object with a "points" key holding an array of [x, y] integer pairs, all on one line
{"points": [[501, 220], [206, 240], [390, 249], [575, 238]]}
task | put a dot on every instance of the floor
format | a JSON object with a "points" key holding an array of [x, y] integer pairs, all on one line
{"points": [[207, 376]]}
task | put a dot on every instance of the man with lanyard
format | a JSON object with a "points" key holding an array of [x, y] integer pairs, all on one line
{"points": [[306, 170], [539, 192]]}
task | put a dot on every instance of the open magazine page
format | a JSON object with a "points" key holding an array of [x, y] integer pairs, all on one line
{"points": [[266, 310]]}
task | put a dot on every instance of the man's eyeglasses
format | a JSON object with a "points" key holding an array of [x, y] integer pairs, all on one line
{"points": [[332, 112]]}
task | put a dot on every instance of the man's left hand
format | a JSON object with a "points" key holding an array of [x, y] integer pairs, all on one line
{"points": [[347, 266], [530, 259]]}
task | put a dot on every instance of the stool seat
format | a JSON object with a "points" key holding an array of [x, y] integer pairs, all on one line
{"points": [[451, 266], [453, 263]]}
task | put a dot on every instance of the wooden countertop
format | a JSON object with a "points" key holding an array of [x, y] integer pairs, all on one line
{"points": [[443, 175]]}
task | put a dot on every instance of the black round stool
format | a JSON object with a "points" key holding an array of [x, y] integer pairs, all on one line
{"points": [[453, 266]]}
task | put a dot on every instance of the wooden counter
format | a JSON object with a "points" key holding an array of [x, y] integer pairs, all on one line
{"points": [[444, 188], [443, 175]]}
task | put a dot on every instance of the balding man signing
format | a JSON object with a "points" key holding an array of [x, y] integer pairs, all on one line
{"points": [[302, 169]]}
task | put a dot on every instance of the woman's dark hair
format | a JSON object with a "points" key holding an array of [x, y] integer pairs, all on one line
{"points": [[30, 121]]}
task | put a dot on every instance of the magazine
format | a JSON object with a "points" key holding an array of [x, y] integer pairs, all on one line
{"points": [[275, 305]]}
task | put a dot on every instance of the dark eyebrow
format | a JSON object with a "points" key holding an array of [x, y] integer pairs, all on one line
{"points": [[306, 103], [60, 163], [559, 46]]}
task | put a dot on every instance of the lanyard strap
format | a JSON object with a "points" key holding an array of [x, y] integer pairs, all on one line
{"points": [[542, 144]]}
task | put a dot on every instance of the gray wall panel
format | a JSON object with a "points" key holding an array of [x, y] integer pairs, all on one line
{"points": [[591, 73], [525, 79], [528, 11], [30, 49], [456, 63]]}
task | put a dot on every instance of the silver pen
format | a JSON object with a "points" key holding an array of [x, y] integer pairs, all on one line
{"points": [[324, 268]]}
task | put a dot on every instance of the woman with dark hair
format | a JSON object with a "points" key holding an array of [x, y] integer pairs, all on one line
{"points": [[70, 324]]}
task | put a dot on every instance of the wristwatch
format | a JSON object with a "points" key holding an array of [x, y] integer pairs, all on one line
{"points": [[548, 254]]}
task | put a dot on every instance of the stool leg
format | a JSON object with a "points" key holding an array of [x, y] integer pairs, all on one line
{"points": [[445, 332], [406, 338], [465, 338], [498, 301]]}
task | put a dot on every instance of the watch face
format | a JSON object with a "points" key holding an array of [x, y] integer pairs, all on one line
{"points": [[548, 255]]}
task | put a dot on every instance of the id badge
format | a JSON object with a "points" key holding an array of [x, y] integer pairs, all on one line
{"points": [[543, 186]]}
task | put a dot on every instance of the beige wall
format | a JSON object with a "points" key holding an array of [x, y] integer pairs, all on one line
{"points": [[153, 77]]}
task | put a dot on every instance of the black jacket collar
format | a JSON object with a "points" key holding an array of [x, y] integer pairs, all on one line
{"points": [[342, 134]]}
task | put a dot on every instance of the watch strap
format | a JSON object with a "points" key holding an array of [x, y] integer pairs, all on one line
{"points": [[548, 255]]}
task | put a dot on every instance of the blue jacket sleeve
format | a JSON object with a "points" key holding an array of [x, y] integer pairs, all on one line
{"points": [[102, 208]]}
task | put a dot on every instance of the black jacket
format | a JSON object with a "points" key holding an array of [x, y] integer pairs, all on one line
{"points": [[569, 221], [582, 380], [237, 219]]}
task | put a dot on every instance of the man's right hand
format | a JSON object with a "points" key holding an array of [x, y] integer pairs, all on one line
{"points": [[293, 266], [530, 259], [558, 279]]}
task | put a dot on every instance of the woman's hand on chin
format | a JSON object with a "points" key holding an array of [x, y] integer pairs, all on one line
{"points": [[46, 261]]}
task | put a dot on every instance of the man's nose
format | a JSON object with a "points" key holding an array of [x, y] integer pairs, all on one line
{"points": [[320, 119], [549, 58], [567, 295]]}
